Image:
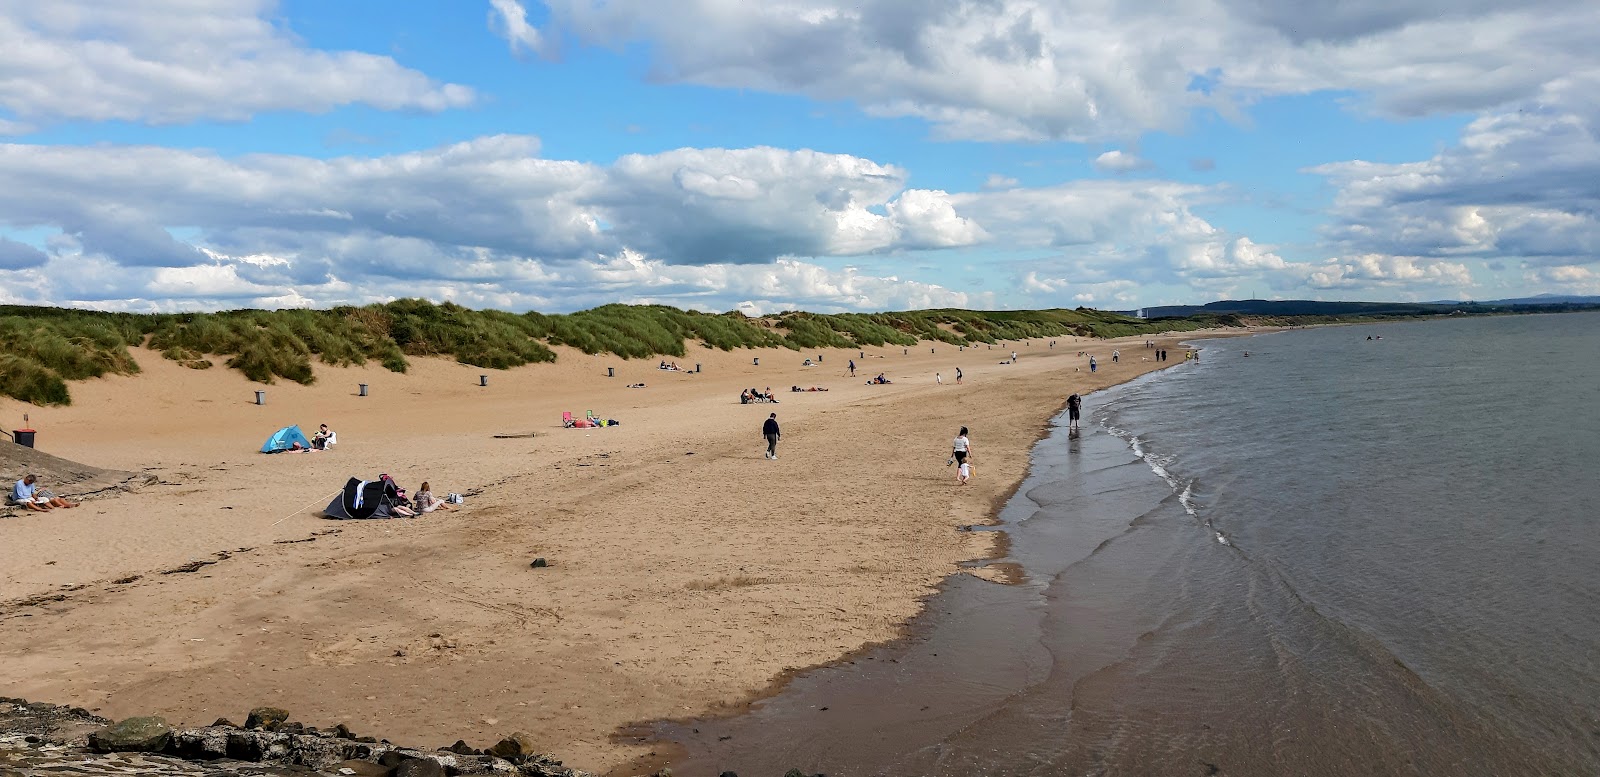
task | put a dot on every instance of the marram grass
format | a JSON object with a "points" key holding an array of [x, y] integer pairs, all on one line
{"points": [[43, 349]]}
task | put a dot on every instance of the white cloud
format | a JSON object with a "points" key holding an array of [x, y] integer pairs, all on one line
{"points": [[1371, 270], [489, 222], [170, 61], [1120, 162], [1098, 69], [509, 19], [998, 181], [1522, 184]]}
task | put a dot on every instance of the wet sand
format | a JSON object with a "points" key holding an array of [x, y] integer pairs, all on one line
{"points": [[686, 572]]}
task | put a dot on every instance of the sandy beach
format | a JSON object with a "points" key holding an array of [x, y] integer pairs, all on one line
{"points": [[686, 573]]}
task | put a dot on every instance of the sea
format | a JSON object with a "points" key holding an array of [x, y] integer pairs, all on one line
{"points": [[1348, 550]]}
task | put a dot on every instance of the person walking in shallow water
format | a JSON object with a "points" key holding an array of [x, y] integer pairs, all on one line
{"points": [[769, 430], [1074, 408]]}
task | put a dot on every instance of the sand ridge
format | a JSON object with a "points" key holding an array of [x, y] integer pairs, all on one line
{"points": [[686, 571]]}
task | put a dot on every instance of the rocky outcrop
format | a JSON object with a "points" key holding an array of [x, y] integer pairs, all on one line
{"points": [[134, 735], [268, 738]]}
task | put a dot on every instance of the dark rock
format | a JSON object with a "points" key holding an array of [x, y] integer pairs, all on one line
{"points": [[539, 563], [292, 728], [420, 767], [360, 768], [343, 732], [514, 748], [140, 735], [394, 758], [32, 740], [462, 748], [269, 718], [795, 773], [367, 740], [728, 774], [223, 722]]}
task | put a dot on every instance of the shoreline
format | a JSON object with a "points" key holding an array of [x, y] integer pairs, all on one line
{"points": [[774, 604]]}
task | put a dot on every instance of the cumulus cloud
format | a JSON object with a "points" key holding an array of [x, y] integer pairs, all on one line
{"points": [[1097, 69], [169, 61], [490, 222], [711, 225], [1116, 161], [1522, 184]]}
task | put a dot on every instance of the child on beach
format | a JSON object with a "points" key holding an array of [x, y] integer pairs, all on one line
{"points": [[964, 472]]}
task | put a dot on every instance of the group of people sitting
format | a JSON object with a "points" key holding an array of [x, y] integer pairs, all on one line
{"points": [[27, 493], [588, 421], [319, 441], [879, 381], [410, 507], [669, 366], [813, 388], [751, 395]]}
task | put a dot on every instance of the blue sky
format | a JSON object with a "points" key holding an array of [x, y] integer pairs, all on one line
{"points": [[888, 154]]}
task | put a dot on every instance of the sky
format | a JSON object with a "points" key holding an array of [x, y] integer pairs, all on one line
{"points": [[162, 155]]}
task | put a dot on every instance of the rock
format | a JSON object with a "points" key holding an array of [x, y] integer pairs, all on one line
{"points": [[420, 767], [728, 774], [219, 722], [539, 563], [461, 748], [394, 758], [343, 732], [360, 768], [139, 735], [269, 718], [795, 773], [515, 748]]}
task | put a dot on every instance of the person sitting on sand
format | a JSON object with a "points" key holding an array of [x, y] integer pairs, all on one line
{"points": [[807, 363], [662, 365], [320, 440], [635, 385], [27, 494], [427, 502]]}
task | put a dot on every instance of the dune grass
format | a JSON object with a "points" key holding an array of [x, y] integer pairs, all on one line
{"points": [[44, 349]]}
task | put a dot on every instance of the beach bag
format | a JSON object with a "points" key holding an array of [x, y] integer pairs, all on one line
{"points": [[454, 498]]}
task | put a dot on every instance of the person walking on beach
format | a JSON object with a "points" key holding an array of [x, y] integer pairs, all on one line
{"points": [[852, 368], [1074, 408], [939, 379], [960, 451], [958, 376], [770, 431], [1092, 365], [1116, 356]]}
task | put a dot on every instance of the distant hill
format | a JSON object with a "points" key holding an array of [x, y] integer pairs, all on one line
{"points": [[1306, 307]]}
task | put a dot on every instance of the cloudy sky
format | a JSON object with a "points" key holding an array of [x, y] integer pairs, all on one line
{"points": [[862, 155]]}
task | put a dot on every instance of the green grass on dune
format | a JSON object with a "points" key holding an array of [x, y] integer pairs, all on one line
{"points": [[44, 349]]}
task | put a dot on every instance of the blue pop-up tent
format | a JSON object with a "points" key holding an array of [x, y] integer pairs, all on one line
{"points": [[284, 439]]}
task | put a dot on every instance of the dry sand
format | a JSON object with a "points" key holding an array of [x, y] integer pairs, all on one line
{"points": [[687, 572]]}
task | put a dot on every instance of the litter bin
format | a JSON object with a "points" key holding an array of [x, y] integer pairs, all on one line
{"points": [[261, 397], [611, 372], [23, 436], [363, 388], [483, 380]]}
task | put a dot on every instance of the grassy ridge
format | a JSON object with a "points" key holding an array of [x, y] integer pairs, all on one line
{"points": [[42, 349]]}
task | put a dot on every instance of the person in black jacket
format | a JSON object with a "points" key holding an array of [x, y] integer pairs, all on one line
{"points": [[770, 431]]}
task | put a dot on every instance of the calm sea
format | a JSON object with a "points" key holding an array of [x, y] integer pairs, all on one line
{"points": [[1334, 556]]}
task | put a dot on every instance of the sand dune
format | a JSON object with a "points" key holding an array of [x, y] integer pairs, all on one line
{"points": [[686, 571]]}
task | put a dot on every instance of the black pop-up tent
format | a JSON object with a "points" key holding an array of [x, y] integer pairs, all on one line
{"points": [[363, 499]]}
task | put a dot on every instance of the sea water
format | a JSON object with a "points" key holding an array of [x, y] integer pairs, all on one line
{"points": [[1365, 550]]}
